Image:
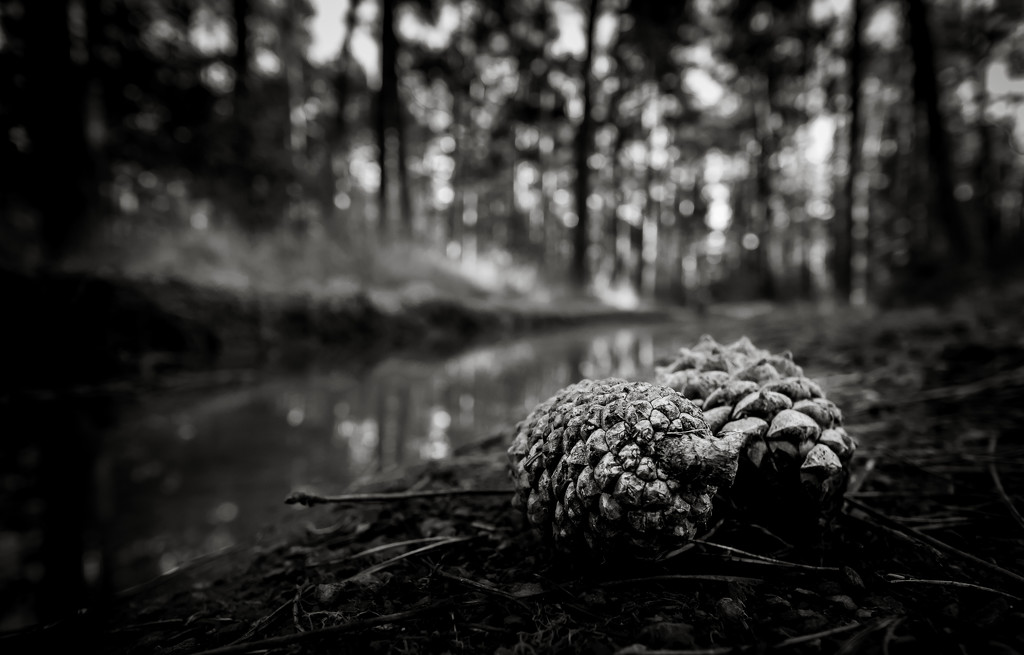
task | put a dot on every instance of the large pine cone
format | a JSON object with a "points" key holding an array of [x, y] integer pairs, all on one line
{"points": [[619, 466], [795, 462]]}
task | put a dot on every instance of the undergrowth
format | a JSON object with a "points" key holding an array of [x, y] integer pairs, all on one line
{"points": [[286, 261]]}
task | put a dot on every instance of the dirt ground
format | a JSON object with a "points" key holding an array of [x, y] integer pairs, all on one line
{"points": [[927, 554]]}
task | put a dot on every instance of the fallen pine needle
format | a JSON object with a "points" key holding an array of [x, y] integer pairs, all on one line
{"points": [[378, 549], [486, 588], [954, 583], [681, 576], [994, 472], [690, 544], [799, 639], [1004, 380], [754, 558], [856, 643], [310, 499], [861, 475], [397, 558], [932, 542], [638, 649], [266, 620], [351, 626], [890, 635]]}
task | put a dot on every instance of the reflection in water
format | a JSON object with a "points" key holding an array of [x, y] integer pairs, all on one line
{"points": [[210, 472]]}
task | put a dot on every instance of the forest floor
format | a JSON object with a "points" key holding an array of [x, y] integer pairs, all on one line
{"points": [[927, 554]]}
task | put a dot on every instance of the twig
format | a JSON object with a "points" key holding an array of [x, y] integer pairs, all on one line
{"points": [[754, 558], [994, 472], [954, 583], [933, 542], [310, 499]]}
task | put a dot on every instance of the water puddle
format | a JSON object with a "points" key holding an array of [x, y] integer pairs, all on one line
{"points": [[192, 477]]}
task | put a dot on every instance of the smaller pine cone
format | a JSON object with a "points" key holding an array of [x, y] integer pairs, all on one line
{"points": [[795, 461], [619, 467]]}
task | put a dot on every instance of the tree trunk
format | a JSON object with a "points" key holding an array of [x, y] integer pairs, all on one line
{"points": [[844, 225], [677, 280], [389, 126], [401, 161], [581, 241], [986, 172], [297, 140], [62, 177], [765, 218], [242, 118], [618, 232], [926, 98], [651, 221], [459, 130], [97, 129], [385, 110]]}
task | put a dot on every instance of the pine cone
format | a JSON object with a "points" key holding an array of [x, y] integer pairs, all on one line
{"points": [[617, 466], [795, 462]]}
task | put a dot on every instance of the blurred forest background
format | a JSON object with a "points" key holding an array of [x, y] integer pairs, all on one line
{"points": [[633, 149]]}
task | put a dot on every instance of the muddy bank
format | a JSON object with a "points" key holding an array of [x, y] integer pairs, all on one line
{"points": [[69, 330]]}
